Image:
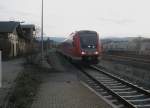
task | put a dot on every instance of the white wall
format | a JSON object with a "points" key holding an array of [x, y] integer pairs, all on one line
{"points": [[14, 40]]}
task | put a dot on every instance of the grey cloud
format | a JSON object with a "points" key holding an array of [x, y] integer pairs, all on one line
{"points": [[117, 21], [24, 13], [1, 7]]}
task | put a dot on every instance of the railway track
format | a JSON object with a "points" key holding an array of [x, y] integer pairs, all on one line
{"points": [[131, 61], [142, 60], [118, 91]]}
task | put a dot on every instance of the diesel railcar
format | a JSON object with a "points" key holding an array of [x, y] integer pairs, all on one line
{"points": [[83, 45]]}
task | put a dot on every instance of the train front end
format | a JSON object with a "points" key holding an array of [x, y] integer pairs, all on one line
{"points": [[90, 48]]}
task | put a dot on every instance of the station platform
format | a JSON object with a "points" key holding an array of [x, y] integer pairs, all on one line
{"points": [[64, 90]]}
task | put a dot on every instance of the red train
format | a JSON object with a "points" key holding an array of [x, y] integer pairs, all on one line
{"points": [[82, 45]]}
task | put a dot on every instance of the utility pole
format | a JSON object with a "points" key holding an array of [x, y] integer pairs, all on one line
{"points": [[0, 69], [42, 55]]}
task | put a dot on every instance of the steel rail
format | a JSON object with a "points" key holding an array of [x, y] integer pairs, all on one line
{"points": [[102, 82], [130, 58], [121, 99], [141, 90]]}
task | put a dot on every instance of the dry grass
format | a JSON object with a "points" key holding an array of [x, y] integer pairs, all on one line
{"points": [[25, 89]]}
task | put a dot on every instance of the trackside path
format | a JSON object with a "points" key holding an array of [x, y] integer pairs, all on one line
{"points": [[62, 89], [57, 92], [10, 70]]}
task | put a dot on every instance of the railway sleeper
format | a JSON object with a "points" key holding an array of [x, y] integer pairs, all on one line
{"points": [[99, 75], [90, 82], [112, 84], [140, 101], [102, 78], [136, 96], [109, 97], [99, 90], [104, 93], [120, 106], [127, 93], [124, 89], [143, 106], [117, 87], [116, 102], [109, 81]]}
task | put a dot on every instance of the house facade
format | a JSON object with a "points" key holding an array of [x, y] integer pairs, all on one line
{"points": [[145, 47], [29, 32], [9, 38], [13, 40]]}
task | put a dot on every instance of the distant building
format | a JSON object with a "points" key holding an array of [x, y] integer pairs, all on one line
{"points": [[29, 32], [137, 45], [145, 47]]}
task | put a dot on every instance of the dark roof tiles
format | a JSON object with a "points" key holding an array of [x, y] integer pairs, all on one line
{"points": [[8, 26], [31, 26]]}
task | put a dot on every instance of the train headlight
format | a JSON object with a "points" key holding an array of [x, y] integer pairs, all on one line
{"points": [[96, 52], [82, 52]]}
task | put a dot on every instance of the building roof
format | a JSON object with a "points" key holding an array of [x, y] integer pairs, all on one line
{"points": [[26, 26], [86, 31], [8, 26], [146, 40]]}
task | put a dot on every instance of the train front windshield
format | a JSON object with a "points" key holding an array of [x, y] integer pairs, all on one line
{"points": [[88, 41]]}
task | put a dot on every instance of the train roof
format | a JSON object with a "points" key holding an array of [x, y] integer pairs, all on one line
{"points": [[86, 31]]}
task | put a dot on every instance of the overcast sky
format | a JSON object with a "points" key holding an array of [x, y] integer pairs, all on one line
{"points": [[61, 17]]}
